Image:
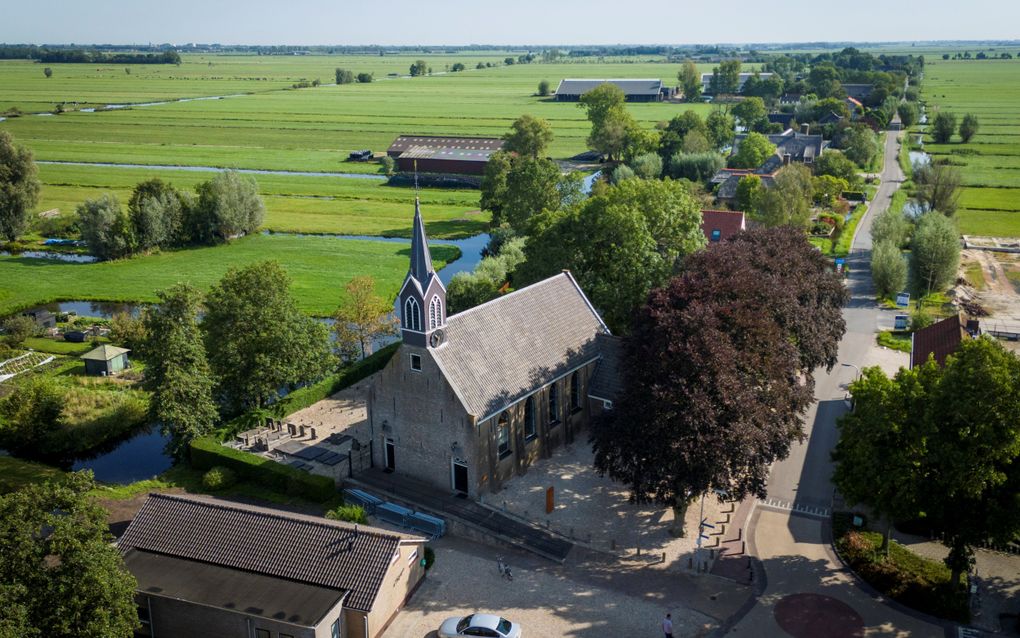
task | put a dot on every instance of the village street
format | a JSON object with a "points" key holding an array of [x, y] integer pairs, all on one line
{"points": [[807, 592]]}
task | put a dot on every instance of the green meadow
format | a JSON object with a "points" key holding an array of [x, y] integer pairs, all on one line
{"points": [[318, 267], [990, 89]]}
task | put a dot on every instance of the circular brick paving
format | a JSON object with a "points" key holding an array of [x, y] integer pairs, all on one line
{"points": [[811, 615]]}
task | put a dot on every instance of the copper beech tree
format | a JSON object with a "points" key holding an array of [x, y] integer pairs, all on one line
{"points": [[718, 370]]}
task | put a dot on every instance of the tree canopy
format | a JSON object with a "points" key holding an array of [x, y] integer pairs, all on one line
{"points": [[934, 253], [717, 369], [943, 127], [61, 575], [19, 187], [257, 341], [752, 152], [361, 318], [689, 79], [529, 136], [968, 127]]}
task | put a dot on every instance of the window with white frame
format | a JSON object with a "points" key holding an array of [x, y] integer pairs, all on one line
{"points": [[416, 362], [412, 314], [435, 312]]}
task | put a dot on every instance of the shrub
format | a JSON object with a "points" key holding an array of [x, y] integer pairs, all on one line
{"points": [[344, 76], [647, 166], [219, 478], [430, 557], [543, 88], [365, 78], [18, 328], [207, 454], [349, 513]]}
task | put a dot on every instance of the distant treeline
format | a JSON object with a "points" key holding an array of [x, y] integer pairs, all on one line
{"points": [[62, 55]]}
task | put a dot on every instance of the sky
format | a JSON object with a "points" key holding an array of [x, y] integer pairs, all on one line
{"points": [[524, 22]]}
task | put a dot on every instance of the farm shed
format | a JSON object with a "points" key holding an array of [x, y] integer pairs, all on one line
{"points": [[44, 319], [105, 360], [650, 90], [450, 155]]}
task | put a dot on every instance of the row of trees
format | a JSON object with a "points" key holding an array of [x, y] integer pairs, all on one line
{"points": [[346, 76], [941, 444], [160, 216], [943, 127], [718, 370]]}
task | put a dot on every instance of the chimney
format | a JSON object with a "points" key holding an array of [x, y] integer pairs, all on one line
{"points": [[805, 129], [786, 159]]}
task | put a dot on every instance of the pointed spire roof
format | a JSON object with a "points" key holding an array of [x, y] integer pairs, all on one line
{"points": [[421, 259]]}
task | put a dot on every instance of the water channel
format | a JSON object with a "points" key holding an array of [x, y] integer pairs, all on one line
{"points": [[216, 169]]}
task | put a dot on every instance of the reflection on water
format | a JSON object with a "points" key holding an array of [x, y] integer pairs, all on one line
{"points": [[137, 458], [73, 258]]}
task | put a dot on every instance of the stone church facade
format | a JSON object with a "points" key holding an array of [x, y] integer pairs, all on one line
{"points": [[472, 399]]}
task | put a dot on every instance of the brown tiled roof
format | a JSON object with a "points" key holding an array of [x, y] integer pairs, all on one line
{"points": [[305, 549], [607, 383], [940, 339], [501, 351], [727, 222]]}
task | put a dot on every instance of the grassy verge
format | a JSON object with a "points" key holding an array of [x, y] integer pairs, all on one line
{"points": [[846, 238], [53, 346], [904, 576], [895, 340], [17, 473]]}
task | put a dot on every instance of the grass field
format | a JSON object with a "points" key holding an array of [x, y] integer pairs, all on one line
{"points": [[990, 201], [318, 266]]}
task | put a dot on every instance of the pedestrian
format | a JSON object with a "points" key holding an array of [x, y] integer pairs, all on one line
{"points": [[667, 625]]}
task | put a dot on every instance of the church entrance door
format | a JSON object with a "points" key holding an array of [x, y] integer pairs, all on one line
{"points": [[460, 477], [391, 455]]}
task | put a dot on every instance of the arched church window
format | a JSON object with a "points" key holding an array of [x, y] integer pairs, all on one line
{"points": [[529, 418], [554, 403], [435, 312], [503, 435], [412, 314]]}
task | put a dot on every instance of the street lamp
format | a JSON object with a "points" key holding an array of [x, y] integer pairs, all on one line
{"points": [[850, 365]]}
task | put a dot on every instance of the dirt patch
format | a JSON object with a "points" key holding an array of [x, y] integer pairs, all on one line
{"points": [[1001, 274]]}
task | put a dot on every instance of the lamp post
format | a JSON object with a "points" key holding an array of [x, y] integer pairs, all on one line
{"points": [[850, 365]]}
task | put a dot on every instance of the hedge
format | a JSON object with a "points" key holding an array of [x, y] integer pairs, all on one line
{"points": [[207, 453], [310, 394]]}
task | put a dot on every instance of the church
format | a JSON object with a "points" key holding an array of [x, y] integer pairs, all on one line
{"points": [[470, 400]]}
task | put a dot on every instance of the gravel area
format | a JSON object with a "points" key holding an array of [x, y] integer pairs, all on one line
{"points": [[545, 600]]}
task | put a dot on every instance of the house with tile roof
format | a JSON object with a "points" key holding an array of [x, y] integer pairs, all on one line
{"points": [[216, 569], [939, 340], [472, 399], [720, 225]]}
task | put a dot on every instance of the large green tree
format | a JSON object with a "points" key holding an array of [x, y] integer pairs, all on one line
{"points": [[19, 187], [937, 187], [859, 144], [751, 114], [726, 78], [529, 136], [717, 370], [157, 214], [228, 205], [788, 201], [60, 572], [752, 152], [690, 81], [888, 268], [178, 373], [943, 127], [719, 128], [836, 164], [515, 188], [106, 228], [618, 245], [968, 127], [934, 253], [257, 340], [612, 126]]}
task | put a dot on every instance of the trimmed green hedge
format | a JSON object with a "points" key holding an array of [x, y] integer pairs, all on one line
{"points": [[207, 453], [308, 395]]}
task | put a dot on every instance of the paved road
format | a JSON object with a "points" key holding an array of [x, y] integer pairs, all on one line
{"points": [[804, 584]]}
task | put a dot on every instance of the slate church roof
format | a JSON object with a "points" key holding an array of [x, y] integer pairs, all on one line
{"points": [[305, 549], [607, 384], [501, 351]]}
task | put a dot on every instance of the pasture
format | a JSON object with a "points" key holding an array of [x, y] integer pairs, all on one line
{"points": [[990, 163], [318, 267]]}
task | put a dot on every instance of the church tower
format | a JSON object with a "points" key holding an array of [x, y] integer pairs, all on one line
{"points": [[423, 296]]}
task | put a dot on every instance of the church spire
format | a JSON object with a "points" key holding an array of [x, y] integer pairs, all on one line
{"points": [[421, 259]]}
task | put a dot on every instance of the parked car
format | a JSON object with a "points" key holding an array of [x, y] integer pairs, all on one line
{"points": [[488, 625], [360, 156]]}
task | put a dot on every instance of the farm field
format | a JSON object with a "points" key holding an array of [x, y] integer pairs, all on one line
{"points": [[318, 266], [990, 199], [294, 203]]}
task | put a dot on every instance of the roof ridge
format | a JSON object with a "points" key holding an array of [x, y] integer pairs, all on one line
{"points": [[278, 514], [502, 297]]}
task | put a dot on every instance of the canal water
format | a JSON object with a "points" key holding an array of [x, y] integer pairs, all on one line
{"points": [[137, 458], [218, 169]]}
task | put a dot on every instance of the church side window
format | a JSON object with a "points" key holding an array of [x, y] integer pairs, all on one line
{"points": [[529, 418], [503, 435], [412, 314], [554, 403], [575, 391], [435, 312]]}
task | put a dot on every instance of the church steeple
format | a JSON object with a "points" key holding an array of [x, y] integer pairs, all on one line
{"points": [[423, 296]]}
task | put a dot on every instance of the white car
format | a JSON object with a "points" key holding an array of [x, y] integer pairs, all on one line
{"points": [[488, 625]]}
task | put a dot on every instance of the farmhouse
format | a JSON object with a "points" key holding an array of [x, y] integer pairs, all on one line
{"points": [[214, 569], [858, 92], [801, 147], [448, 155], [635, 90], [940, 339], [706, 81], [105, 360], [786, 120], [472, 399]]}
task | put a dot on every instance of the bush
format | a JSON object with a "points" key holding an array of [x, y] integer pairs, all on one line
{"points": [[365, 78], [647, 166], [696, 167], [430, 557], [218, 478], [207, 454], [349, 513], [18, 328], [344, 76], [543, 88]]}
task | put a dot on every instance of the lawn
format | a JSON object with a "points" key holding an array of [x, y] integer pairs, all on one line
{"points": [[17, 473], [53, 346], [318, 266], [990, 200]]}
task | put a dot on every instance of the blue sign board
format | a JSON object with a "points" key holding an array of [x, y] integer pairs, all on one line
{"points": [[901, 322], [903, 299]]}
